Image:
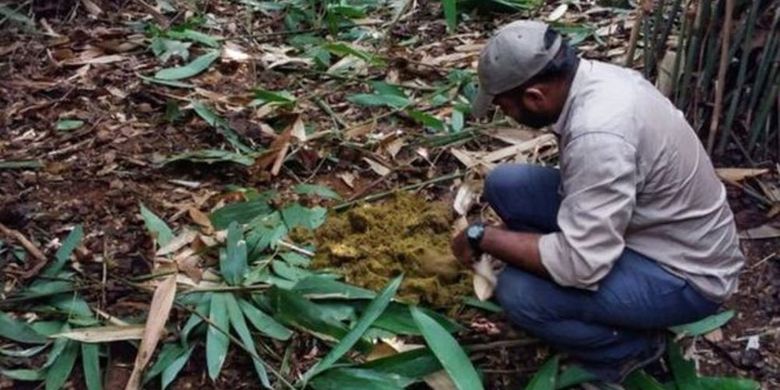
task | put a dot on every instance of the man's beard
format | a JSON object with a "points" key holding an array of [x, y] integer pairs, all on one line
{"points": [[536, 121]]}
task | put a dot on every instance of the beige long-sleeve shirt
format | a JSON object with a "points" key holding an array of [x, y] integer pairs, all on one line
{"points": [[634, 174]]}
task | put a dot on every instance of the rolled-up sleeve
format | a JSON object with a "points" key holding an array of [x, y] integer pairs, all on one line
{"points": [[598, 176]]}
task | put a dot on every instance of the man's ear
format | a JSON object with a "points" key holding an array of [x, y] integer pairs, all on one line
{"points": [[534, 98]]}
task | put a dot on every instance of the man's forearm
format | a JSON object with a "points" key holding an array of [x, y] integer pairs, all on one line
{"points": [[516, 248]]}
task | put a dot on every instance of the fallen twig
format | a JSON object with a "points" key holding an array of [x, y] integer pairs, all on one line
{"points": [[29, 247], [385, 194]]}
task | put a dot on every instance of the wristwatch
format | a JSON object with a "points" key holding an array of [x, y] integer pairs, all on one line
{"points": [[474, 234]]}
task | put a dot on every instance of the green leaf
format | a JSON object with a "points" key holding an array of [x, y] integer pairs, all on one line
{"points": [[168, 354], [319, 287], [19, 331], [450, 14], [172, 370], [23, 374], [211, 156], [343, 49], [59, 372], [398, 319], [241, 212], [314, 189], [427, 120], [239, 324], [75, 308], [221, 125], [296, 215], [156, 226], [90, 361], [372, 312], [457, 121], [195, 36], [359, 379], [289, 272], [714, 383], [193, 68], [684, 371], [22, 353], [279, 98], [263, 322], [164, 49], [573, 375], [415, 364], [64, 252], [217, 342], [233, 266], [170, 83], [705, 325], [68, 124], [545, 378], [640, 380], [484, 305], [21, 164], [294, 258], [371, 100], [448, 351]]}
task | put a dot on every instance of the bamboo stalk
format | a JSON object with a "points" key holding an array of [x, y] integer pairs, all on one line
{"points": [[770, 50], [681, 52], [765, 106], [692, 49], [634, 38], [720, 86], [737, 94]]}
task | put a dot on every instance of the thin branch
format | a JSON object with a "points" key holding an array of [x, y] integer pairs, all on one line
{"points": [[721, 83]]}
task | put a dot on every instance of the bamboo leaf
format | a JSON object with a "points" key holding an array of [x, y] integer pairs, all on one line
{"points": [[573, 375], [684, 371], [103, 334], [159, 229], [217, 343], [374, 310], [319, 287], [221, 125], [714, 383], [170, 83], [23, 374], [313, 189], [195, 36], [68, 124], [448, 351], [239, 324], [263, 322], [90, 362], [172, 370], [640, 380], [233, 265], [59, 372], [359, 379], [705, 325], [193, 68], [450, 14], [64, 252], [241, 212], [545, 378], [19, 331], [211, 156]]}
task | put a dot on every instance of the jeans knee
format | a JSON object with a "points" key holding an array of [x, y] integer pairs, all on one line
{"points": [[504, 179], [516, 295]]}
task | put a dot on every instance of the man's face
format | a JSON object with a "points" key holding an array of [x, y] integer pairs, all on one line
{"points": [[529, 107]]}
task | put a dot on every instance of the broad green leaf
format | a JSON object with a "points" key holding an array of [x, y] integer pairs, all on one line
{"points": [[21, 164], [289, 272], [172, 370], [448, 351], [241, 212], [168, 354], [414, 364], [398, 319], [68, 124], [19, 331], [59, 372], [343, 49], [233, 266], [359, 379], [90, 361], [296, 215], [76, 309], [427, 120], [238, 323], [217, 342], [23, 353], [164, 49], [484, 305], [263, 322], [195, 36], [372, 312], [64, 252], [457, 121], [57, 349], [545, 378], [193, 68], [705, 325], [203, 308], [211, 156], [221, 125], [370, 100], [294, 258], [450, 14], [156, 226], [280, 98], [314, 189], [170, 83], [319, 287], [23, 374], [573, 375], [713, 383], [640, 380], [42, 288], [684, 371]]}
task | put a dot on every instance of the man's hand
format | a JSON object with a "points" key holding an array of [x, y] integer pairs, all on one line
{"points": [[461, 248]]}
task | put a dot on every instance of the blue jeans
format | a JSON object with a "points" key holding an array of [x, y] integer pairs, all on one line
{"points": [[618, 322]]}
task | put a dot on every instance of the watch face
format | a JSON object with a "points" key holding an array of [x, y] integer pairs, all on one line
{"points": [[473, 231]]}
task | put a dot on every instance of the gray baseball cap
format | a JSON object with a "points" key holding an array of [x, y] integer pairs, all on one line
{"points": [[511, 57]]}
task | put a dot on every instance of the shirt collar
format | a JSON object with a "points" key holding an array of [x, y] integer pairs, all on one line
{"points": [[579, 79]]}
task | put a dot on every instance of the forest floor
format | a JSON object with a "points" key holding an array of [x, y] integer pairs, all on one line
{"points": [[79, 72]]}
